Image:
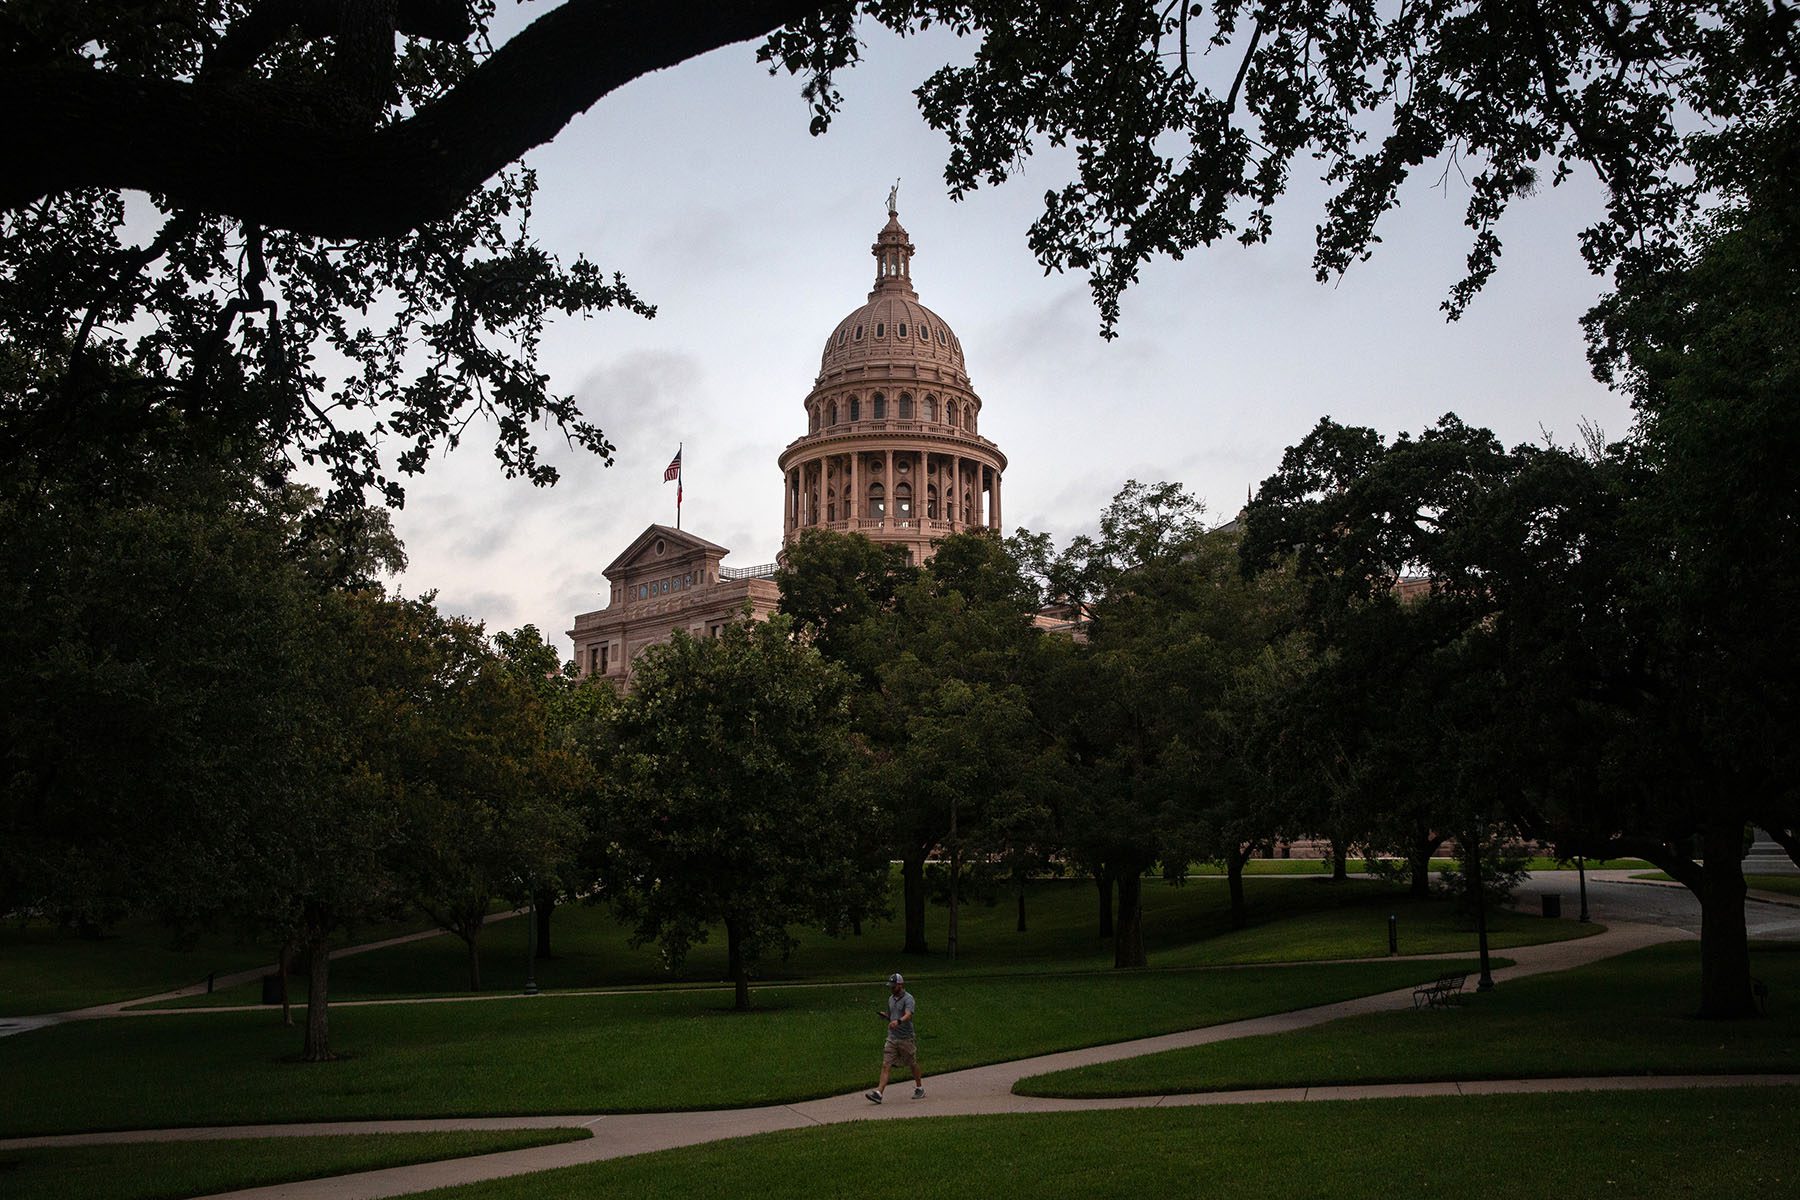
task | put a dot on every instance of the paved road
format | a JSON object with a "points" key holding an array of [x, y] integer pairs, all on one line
{"points": [[1615, 896]]}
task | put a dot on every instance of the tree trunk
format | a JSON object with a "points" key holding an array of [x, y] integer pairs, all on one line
{"points": [[1420, 862], [912, 876], [469, 935], [318, 1017], [546, 904], [1340, 860], [1103, 881], [1128, 942], [1725, 990], [287, 965], [735, 966], [1234, 875]]}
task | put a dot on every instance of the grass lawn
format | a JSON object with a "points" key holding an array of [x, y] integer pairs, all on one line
{"points": [[1624, 1015], [1187, 925], [650, 1051], [1787, 885], [1728, 1143], [167, 1170], [45, 969]]}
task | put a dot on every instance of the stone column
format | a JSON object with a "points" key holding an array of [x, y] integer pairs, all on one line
{"points": [[999, 521], [887, 493], [855, 488]]}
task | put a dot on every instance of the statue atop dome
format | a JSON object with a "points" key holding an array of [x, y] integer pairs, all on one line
{"points": [[894, 199]]}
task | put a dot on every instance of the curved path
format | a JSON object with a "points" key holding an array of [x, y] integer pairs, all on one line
{"points": [[979, 1090]]}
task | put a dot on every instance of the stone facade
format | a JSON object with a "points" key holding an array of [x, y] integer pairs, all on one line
{"points": [[892, 450], [666, 580]]}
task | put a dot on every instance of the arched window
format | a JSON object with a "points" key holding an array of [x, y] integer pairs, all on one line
{"points": [[855, 408], [877, 501], [924, 333], [859, 333], [950, 413], [831, 504], [834, 412], [903, 501], [968, 508], [881, 406], [841, 334], [971, 418], [812, 514], [881, 329], [942, 339], [900, 330], [931, 504], [815, 420], [931, 409], [906, 407]]}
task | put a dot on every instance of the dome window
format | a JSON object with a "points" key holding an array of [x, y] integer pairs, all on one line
{"points": [[880, 404], [950, 414], [903, 501], [900, 329], [942, 340], [877, 501], [855, 408], [931, 409], [841, 335], [881, 329], [906, 406], [859, 333], [834, 412], [931, 504], [924, 333]]}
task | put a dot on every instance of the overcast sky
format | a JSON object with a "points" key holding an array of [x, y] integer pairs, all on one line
{"points": [[752, 238]]}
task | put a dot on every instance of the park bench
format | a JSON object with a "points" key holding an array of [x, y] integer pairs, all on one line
{"points": [[1441, 993]]}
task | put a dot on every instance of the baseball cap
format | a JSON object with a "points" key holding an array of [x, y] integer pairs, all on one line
{"points": [[895, 978]]}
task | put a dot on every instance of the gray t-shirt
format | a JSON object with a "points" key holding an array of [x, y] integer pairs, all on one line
{"points": [[900, 1008]]}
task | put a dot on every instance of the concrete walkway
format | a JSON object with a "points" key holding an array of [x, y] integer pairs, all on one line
{"points": [[979, 1090]]}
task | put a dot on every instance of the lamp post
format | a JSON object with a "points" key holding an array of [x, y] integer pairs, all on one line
{"points": [[531, 987], [1486, 983], [955, 871], [1581, 877]]}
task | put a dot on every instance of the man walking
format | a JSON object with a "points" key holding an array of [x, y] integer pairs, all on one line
{"points": [[901, 1046]]}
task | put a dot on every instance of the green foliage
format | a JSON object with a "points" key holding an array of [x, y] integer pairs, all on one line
{"points": [[364, 356], [730, 798], [1186, 122]]}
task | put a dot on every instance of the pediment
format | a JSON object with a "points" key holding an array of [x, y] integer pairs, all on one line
{"points": [[676, 546]]}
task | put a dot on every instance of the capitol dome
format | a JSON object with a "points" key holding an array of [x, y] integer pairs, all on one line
{"points": [[893, 328], [892, 448]]}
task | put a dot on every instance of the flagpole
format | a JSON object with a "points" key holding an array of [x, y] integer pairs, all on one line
{"points": [[680, 466]]}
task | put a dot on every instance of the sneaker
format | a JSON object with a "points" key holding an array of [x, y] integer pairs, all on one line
{"points": [[918, 1093], [874, 1097]]}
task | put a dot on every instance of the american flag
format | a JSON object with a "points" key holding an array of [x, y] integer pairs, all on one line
{"points": [[673, 471]]}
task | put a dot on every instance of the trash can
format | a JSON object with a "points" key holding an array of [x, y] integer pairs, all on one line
{"points": [[271, 988], [1552, 906]]}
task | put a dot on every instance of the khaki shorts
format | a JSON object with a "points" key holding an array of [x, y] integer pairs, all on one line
{"points": [[901, 1051]]}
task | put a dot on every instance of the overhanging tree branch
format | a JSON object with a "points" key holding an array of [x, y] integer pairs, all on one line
{"points": [[262, 153]]}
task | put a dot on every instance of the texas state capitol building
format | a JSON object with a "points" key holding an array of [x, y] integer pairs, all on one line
{"points": [[892, 450]]}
